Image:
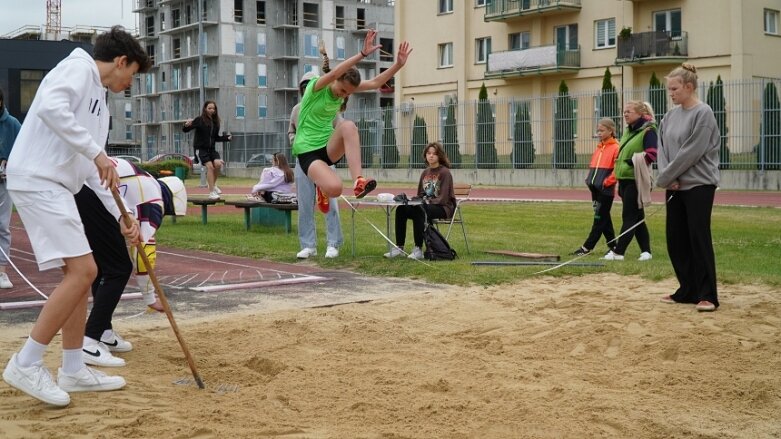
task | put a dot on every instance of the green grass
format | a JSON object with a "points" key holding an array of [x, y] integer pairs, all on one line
{"points": [[746, 240]]}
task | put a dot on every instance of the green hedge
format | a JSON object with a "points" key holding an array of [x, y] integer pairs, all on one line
{"points": [[168, 165]]}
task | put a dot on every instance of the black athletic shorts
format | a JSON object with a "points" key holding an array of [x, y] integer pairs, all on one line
{"points": [[306, 159], [208, 155]]}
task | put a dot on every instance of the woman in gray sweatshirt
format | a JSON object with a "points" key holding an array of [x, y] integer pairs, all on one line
{"points": [[688, 162]]}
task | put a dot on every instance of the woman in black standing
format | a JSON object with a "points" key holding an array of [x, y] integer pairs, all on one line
{"points": [[207, 128]]}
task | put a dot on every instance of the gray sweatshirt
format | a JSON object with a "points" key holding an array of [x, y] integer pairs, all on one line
{"points": [[688, 148]]}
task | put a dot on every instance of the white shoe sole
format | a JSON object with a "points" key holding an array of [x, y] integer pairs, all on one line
{"points": [[107, 384], [16, 382]]}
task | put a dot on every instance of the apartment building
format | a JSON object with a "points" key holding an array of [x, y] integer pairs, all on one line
{"points": [[252, 54], [527, 47]]}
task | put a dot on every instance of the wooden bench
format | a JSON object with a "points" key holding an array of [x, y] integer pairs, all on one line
{"points": [[248, 205], [204, 203]]}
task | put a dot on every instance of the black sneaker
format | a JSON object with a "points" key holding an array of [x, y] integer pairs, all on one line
{"points": [[580, 251]]}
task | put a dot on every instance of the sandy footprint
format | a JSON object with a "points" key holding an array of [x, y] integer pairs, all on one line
{"points": [[613, 347]]}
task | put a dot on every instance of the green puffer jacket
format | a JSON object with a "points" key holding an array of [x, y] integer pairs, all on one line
{"points": [[631, 143]]}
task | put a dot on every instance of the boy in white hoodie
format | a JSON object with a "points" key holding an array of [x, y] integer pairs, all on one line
{"points": [[57, 151]]}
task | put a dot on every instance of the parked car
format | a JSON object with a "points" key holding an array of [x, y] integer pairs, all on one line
{"points": [[130, 158], [172, 156], [260, 160]]}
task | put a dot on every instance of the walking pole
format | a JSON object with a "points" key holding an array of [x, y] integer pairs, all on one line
{"points": [[159, 291]]}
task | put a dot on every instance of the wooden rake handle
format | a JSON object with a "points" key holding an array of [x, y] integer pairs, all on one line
{"points": [[129, 223]]}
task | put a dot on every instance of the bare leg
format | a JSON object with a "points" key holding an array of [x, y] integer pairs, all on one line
{"points": [[345, 142], [325, 178], [67, 303], [211, 177]]}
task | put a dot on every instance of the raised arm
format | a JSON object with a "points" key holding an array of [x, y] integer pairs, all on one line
{"points": [[368, 48], [382, 78]]}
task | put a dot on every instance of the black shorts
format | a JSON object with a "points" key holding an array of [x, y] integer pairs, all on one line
{"points": [[306, 159], [208, 155]]}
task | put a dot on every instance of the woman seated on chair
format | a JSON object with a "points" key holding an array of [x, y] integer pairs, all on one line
{"points": [[277, 178], [435, 188]]}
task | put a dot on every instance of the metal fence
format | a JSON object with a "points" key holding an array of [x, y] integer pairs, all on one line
{"points": [[539, 131]]}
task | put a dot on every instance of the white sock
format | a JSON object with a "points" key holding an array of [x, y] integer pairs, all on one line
{"points": [[31, 352], [72, 360], [107, 334]]}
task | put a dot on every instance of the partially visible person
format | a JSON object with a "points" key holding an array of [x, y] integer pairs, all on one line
{"points": [[435, 188], [689, 171], [305, 193], [277, 178], [207, 134], [640, 137], [601, 182], [9, 129], [58, 149]]}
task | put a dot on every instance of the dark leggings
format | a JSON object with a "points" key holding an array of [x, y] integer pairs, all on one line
{"points": [[631, 215], [603, 224], [111, 257], [418, 216]]}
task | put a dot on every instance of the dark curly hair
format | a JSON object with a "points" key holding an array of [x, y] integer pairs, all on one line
{"points": [[117, 42]]}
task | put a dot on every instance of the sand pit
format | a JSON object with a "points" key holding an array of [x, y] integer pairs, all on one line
{"points": [[592, 356]]}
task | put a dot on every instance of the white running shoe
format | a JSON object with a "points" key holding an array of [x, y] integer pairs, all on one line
{"points": [[115, 343], [306, 253], [217, 190], [394, 252], [331, 252], [645, 256], [612, 256], [97, 354], [88, 379], [36, 382], [416, 254], [214, 195], [4, 281]]}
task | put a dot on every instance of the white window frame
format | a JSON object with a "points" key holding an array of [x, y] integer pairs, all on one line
{"points": [[445, 6], [311, 46], [129, 132], [262, 44], [262, 106], [771, 21], [668, 27], [239, 42], [605, 33], [480, 3], [128, 110], [340, 51], [482, 49], [524, 40], [262, 75], [445, 52], [241, 79], [241, 106]]}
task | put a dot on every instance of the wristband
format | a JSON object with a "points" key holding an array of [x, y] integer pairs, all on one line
{"points": [[363, 54]]}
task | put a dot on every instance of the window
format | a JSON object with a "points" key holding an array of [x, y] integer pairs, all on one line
{"points": [[128, 110], [480, 3], [310, 46], [129, 132], [239, 42], [445, 6], [567, 37], [386, 51], [339, 23], [240, 106], [261, 44], [177, 108], [177, 48], [150, 51], [261, 12], [482, 49], [668, 21], [176, 76], [150, 26], [162, 21], [311, 15], [605, 31], [178, 141], [446, 55], [519, 41], [771, 22], [262, 76], [204, 11], [176, 18], [238, 11], [188, 14], [240, 80], [129, 92], [262, 106], [340, 50], [360, 20], [310, 68], [150, 83]]}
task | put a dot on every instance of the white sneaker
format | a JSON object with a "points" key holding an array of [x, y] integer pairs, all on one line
{"points": [[115, 343], [416, 254], [611, 256], [331, 252], [394, 252], [645, 256], [35, 381], [4, 281], [214, 195], [88, 379], [97, 354], [217, 190], [306, 253]]}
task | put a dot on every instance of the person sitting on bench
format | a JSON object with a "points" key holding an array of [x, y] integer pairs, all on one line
{"points": [[277, 178]]}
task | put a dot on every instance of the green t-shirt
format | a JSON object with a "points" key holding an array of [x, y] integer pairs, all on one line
{"points": [[315, 119]]}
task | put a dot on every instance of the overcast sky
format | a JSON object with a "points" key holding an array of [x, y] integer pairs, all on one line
{"points": [[17, 13]]}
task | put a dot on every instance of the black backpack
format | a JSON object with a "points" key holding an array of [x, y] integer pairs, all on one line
{"points": [[437, 247]]}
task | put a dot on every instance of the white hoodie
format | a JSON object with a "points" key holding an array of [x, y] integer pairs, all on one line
{"points": [[64, 131]]}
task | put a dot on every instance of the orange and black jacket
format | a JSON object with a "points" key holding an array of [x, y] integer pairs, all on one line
{"points": [[600, 171]]}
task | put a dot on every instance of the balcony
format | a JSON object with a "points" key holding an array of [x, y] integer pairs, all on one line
{"points": [[504, 10], [657, 47], [542, 60]]}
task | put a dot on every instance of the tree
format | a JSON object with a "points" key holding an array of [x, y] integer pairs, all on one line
{"points": [[419, 142], [523, 147], [769, 148], [486, 132], [657, 97], [717, 103], [367, 136], [450, 140], [564, 130], [390, 152], [609, 100]]}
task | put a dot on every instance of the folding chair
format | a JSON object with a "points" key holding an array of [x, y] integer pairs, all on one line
{"points": [[462, 194]]}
